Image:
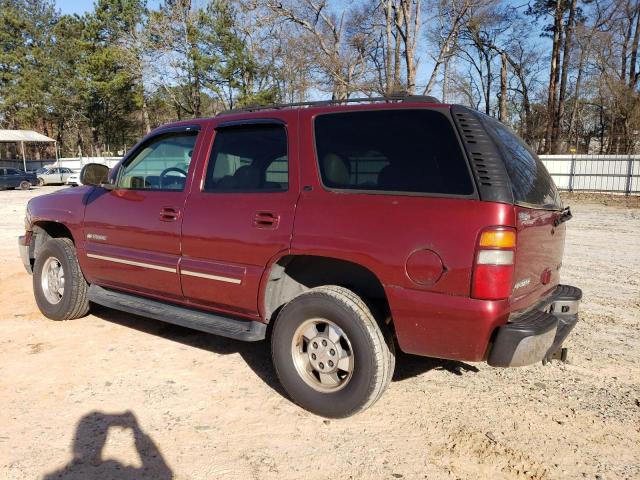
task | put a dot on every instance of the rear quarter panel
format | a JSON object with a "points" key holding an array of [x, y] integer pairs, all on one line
{"points": [[380, 232]]}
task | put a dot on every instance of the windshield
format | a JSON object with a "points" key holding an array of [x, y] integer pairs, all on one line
{"points": [[531, 184]]}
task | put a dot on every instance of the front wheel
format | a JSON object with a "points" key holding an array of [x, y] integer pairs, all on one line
{"points": [[24, 185], [58, 283], [41, 182], [331, 355]]}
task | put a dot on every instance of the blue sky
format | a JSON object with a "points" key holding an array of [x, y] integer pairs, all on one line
{"points": [[82, 6]]}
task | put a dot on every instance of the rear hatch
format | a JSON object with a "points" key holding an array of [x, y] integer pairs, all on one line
{"points": [[539, 216]]}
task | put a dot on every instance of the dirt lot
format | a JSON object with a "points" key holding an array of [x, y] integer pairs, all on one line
{"points": [[135, 398]]}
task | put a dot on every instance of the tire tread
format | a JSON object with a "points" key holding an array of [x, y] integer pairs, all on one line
{"points": [[79, 302], [381, 342]]}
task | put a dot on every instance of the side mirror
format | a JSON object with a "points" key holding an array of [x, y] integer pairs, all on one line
{"points": [[94, 174]]}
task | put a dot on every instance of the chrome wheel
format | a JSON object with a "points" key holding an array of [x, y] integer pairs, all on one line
{"points": [[322, 355], [52, 280]]}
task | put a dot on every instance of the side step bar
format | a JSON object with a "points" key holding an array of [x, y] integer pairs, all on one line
{"points": [[245, 330]]}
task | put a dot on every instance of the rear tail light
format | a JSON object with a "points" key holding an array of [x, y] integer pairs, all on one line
{"points": [[495, 259]]}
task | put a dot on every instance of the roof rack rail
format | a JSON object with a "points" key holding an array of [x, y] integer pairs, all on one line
{"points": [[320, 103]]}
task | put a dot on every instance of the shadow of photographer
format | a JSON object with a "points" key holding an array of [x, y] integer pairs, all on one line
{"points": [[88, 445]]}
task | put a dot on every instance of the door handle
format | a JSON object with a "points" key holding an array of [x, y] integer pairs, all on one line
{"points": [[266, 220], [169, 214]]}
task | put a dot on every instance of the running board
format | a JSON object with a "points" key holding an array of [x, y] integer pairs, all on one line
{"points": [[245, 330]]}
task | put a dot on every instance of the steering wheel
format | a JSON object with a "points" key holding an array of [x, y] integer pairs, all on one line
{"points": [[169, 170]]}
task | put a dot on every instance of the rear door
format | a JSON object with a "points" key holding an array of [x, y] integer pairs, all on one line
{"points": [[241, 214], [540, 242], [132, 233]]}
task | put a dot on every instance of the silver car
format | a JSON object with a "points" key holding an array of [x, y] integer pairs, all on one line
{"points": [[53, 175]]}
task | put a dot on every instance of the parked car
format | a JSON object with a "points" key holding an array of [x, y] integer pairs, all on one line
{"points": [[336, 230], [14, 178], [54, 176], [74, 179]]}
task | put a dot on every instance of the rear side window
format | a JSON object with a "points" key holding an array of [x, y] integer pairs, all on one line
{"points": [[249, 158], [412, 151], [530, 181]]}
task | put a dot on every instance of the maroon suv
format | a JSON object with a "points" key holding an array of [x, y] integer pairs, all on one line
{"points": [[338, 230]]}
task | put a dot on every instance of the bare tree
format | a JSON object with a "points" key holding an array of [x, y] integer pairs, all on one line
{"points": [[450, 17], [339, 52]]}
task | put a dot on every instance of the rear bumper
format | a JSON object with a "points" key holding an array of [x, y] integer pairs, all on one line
{"points": [[539, 333], [24, 245]]}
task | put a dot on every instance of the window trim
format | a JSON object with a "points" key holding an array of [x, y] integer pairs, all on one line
{"points": [[235, 124], [165, 132], [443, 111]]}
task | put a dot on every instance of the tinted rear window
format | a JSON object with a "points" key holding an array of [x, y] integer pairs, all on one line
{"points": [[414, 151], [530, 181]]}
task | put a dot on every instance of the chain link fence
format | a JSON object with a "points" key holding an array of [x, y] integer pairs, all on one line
{"points": [[595, 173]]}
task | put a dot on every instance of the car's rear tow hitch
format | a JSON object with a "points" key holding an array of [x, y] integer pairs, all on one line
{"points": [[560, 354]]}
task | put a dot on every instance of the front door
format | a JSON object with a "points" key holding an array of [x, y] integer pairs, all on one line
{"points": [[132, 232], [241, 215]]}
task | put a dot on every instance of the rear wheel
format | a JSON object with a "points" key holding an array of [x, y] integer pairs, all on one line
{"points": [[41, 182], [24, 185], [330, 354], [58, 283]]}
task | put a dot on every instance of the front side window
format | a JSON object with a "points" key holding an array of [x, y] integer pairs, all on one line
{"points": [[12, 171], [248, 158], [412, 151], [161, 164]]}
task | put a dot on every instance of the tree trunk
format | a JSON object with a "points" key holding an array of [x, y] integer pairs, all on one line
{"points": [[633, 76], [502, 111], [399, 20], [411, 30], [145, 113], [625, 44], [553, 75], [445, 81], [576, 94], [390, 79], [566, 58]]}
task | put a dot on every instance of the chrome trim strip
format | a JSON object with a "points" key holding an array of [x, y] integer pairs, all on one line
{"points": [[237, 281], [131, 262]]}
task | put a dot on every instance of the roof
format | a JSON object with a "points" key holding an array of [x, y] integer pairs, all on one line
{"points": [[23, 136], [325, 103]]}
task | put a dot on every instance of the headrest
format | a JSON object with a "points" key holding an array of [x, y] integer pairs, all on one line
{"points": [[336, 169]]}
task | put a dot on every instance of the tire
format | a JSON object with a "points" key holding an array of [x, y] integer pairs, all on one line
{"points": [[365, 350], [41, 182], [72, 301], [24, 185]]}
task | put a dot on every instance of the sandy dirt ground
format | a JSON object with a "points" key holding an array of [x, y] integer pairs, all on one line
{"points": [[115, 396]]}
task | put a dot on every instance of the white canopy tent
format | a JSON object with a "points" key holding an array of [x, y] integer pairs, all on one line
{"points": [[26, 136]]}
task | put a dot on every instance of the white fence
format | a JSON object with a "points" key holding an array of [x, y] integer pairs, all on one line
{"points": [[74, 163], [595, 173]]}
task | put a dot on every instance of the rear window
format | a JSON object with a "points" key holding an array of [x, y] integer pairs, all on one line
{"points": [[530, 181], [412, 151]]}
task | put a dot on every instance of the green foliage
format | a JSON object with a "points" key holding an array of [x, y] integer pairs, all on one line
{"points": [[26, 27]]}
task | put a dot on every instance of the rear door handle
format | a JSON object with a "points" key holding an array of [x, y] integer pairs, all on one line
{"points": [[266, 220], [169, 214]]}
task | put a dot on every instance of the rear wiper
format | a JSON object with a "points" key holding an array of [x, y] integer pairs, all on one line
{"points": [[565, 215]]}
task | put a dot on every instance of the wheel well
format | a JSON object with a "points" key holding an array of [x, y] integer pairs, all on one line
{"points": [[294, 274], [43, 231]]}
